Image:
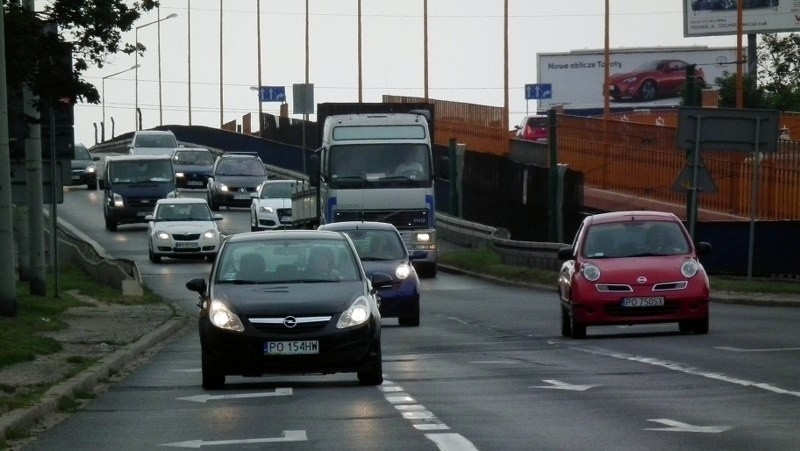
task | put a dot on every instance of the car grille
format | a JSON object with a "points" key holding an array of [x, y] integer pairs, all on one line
{"points": [[185, 236], [141, 202], [669, 308], [304, 324], [402, 219], [625, 288]]}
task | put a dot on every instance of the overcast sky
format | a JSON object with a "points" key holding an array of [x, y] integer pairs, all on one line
{"points": [[465, 48]]}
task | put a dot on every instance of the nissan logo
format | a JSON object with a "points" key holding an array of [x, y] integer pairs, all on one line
{"points": [[289, 322], [641, 280]]}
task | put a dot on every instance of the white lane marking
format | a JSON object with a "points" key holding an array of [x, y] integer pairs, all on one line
{"points": [[677, 426], [405, 399], [419, 415], [455, 319], [288, 436], [727, 348], [558, 385], [674, 366], [205, 398], [451, 442], [495, 362], [409, 407]]}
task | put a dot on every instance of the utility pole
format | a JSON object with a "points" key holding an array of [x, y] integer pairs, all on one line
{"points": [[8, 284], [33, 180]]}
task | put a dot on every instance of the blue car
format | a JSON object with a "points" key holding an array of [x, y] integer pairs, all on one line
{"points": [[381, 250], [193, 167]]}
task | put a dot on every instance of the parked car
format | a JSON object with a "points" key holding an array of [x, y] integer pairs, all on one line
{"points": [[193, 166], [182, 227], [633, 267], [533, 128], [652, 80], [84, 168], [234, 177], [381, 249], [271, 207], [295, 302]]}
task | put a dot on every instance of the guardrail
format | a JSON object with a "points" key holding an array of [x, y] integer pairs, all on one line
{"points": [[479, 236]]}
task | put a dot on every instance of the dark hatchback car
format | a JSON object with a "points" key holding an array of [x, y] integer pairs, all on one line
{"points": [[193, 167], [381, 250], [84, 169], [289, 302], [233, 178]]}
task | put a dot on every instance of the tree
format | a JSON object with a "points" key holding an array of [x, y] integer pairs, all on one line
{"points": [[91, 29], [753, 95], [779, 70]]}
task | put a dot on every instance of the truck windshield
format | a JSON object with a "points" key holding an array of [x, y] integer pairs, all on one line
{"points": [[380, 165]]}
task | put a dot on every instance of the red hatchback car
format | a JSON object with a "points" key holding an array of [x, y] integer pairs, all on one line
{"points": [[652, 80], [633, 267]]}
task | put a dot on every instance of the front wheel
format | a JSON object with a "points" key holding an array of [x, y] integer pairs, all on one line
{"points": [[566, 324], [649, 91], [213, 378], [374, 374], [577, 330]]}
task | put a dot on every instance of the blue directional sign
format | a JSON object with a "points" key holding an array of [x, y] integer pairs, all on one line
{"points": [[538, 91], [272, 94]]}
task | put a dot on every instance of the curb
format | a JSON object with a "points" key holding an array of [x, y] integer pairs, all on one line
{"points": [[25, 418]]}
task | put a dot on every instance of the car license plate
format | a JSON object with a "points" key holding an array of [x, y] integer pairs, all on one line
{"points": [[194, 183], [655, 301], [186, 245], [285, 219], [291, 347], [76, 177], [241, 196], [142, 214]]}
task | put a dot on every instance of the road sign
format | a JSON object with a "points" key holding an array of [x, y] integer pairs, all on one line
{"points": [[272, 94], [538, 91]]}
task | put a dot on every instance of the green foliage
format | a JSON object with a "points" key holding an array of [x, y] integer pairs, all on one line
{"points": [[753, 95], [90, 30]]}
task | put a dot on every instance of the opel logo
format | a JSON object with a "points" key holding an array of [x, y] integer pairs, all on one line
{"points": [[289, 322], [241, 190], [642, 280]]}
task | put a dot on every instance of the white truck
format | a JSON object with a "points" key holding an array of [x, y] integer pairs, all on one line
{"points": [[374, 167]]}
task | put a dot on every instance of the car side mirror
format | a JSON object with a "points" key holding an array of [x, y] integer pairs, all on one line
{"points": [[218, 217], [566, 253], [703, 248], [198, 285], [149, 218], [381, 280]]}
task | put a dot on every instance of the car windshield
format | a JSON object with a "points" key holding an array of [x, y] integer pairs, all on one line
{"points": [[287, 261], [635, 239], [278, 190], [194, 157], [246, 167], [375, 245], [81, 153], [183, 212], [379, 165], [138, 171]]}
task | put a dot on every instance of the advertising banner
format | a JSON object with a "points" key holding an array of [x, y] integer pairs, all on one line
{"points": [[718, 17], [640, 77]]}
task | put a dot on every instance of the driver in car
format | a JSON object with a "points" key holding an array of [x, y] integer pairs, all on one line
{"points": [[409, 165]]}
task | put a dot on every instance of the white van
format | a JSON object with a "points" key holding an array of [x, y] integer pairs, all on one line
{"points": [[153, 142]]}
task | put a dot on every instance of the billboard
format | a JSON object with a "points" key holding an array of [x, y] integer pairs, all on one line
{"points": [[640, 77], [718, 17]]}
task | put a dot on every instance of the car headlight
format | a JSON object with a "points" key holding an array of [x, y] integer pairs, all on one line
{"points": [[357, 313], [591, 272], [221, 316], [118, 202], [162, 235], [403, 271], [266, 210], [629, 80], [209, 234], [90, 169], [689, 268], [223, 187], [179, 174]]}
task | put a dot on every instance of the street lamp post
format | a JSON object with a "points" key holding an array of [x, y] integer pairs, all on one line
{"points": [[136, 107], [103, 98]]}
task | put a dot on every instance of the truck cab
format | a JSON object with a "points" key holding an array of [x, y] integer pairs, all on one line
{"points": [[132, 185], [375, 167]]}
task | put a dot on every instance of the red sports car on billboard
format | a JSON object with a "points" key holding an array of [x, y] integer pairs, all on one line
{"points": [[652, 80]]}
